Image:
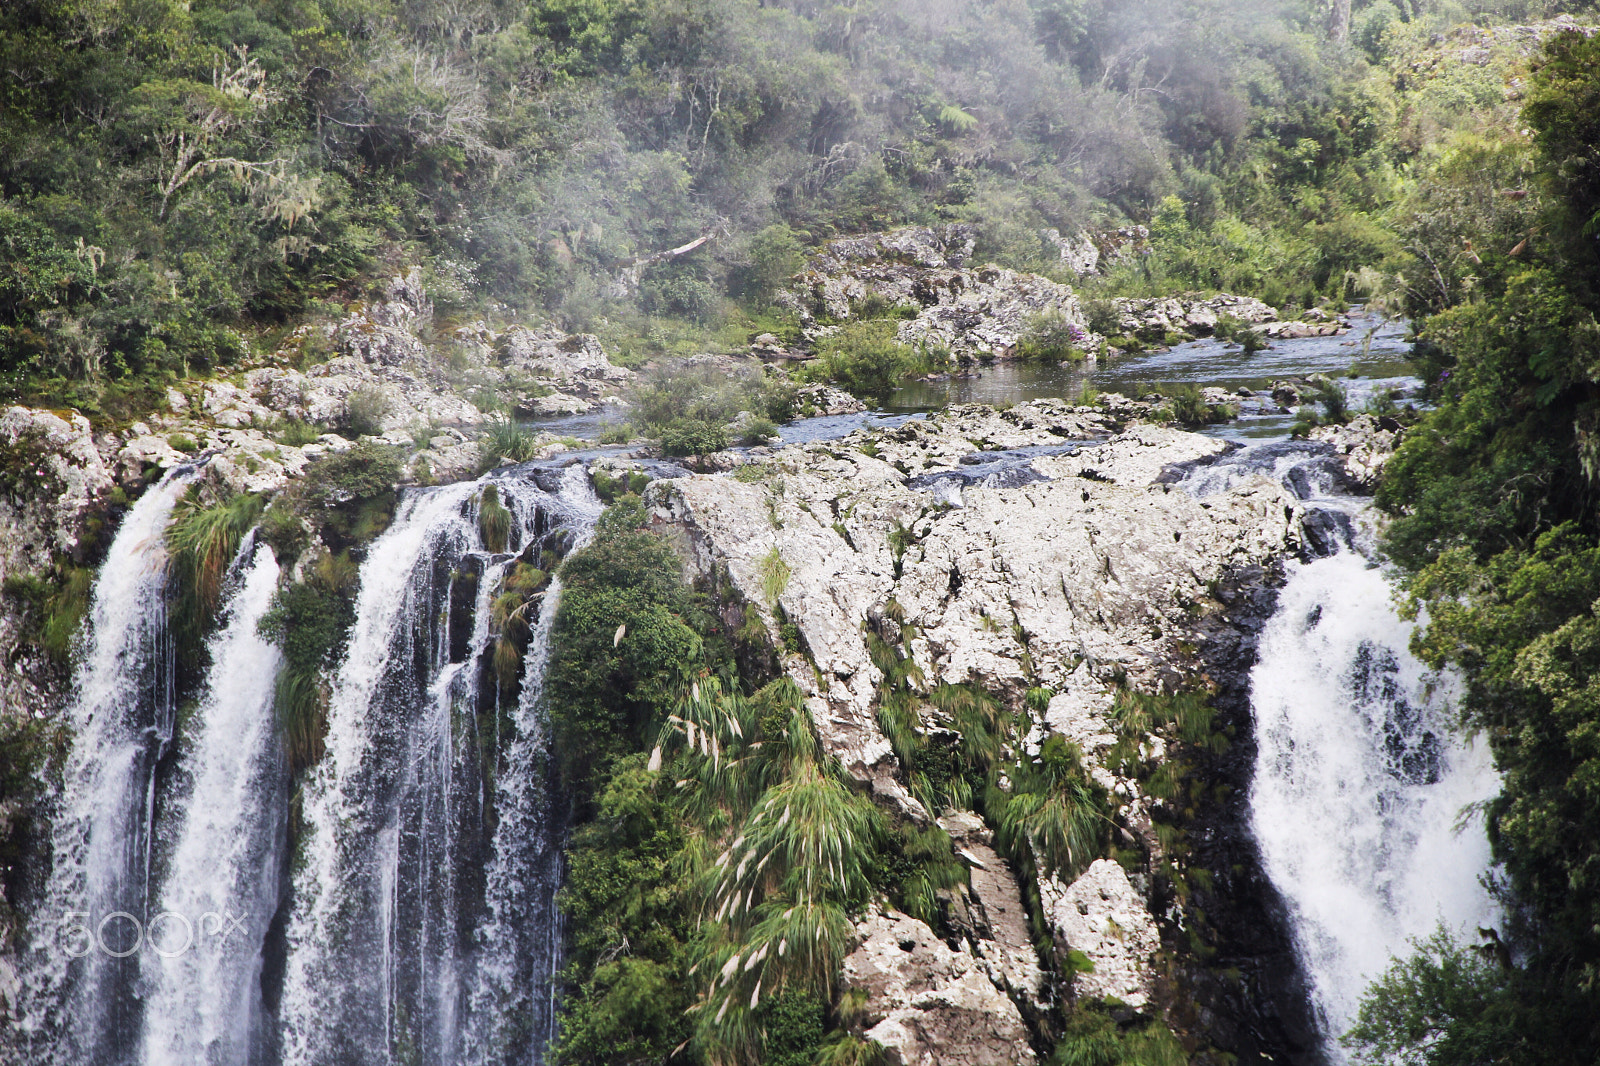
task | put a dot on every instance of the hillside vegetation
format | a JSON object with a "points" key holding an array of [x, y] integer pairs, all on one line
{"points": [[182, 182]]}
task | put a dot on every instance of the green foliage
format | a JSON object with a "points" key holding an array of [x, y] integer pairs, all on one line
{"points": [[1049, 336], [506, 439], [363, 412], [203, 541], [690, 436], [864, 359], [51, 607], [348, 497], [1492, 495], [775, 257], [1442, 1005], [1190, 408], [603, 694], [494, 521], [705, 394], [1058, 809], [309, 621], [1092, 1038], [758, 430]]}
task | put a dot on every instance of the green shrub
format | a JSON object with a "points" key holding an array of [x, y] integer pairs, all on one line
{"points": [[776, 256], [689, 392], [1051, 336], [310, 622], [864, 359], [203, 541], [504, 438], [53, 607], [294, 433], [494, 521], [1189, 407], [363, 412], [690, 436], [616, 433], [757, 430]]}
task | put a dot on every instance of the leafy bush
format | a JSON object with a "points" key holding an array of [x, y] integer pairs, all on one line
{"points": [[690, 436], [203, 541], [309, 621], [1190, 408], [494, 521], [1051, 336], [757, 430], [864, 359], [710, 393], [363, 412]]}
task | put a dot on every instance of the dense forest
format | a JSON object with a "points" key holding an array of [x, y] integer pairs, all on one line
{"points": [[183, 184]]}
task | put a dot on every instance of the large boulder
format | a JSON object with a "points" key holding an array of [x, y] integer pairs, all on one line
{"points": [[1364, 444], [1105, 918], [930, 1005], [974, 311]]}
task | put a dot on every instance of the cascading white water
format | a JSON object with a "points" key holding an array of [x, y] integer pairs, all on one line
{"points": [[87, 935], [521, 942], [202, 965], [1360, 782], [400, 867]]}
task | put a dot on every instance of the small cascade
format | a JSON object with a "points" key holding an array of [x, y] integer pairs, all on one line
{"points": [[202, 963], [425, 821], [89, 934], [1361, 781], [1361, 778], [521, 942]]}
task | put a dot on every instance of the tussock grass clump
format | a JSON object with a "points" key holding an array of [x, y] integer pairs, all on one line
{"points": [[494, 520], [310, 621], [203, 540]]}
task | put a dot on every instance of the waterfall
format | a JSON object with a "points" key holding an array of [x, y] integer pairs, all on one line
{"points": [[1361, 779], [429, 857], [90, 931], [202, 964]]}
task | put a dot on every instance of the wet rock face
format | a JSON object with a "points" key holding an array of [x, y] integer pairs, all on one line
{"points": [[974, 310], [1087, 570], [1364, 445], [928, 1004]]}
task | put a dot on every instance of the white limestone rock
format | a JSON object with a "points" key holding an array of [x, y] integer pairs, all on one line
{"points": [[52, 477], [1365, 444], [929, 1005], [1102, 915]]}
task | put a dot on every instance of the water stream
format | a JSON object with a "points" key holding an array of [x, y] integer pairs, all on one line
{"points": [[122, 724], [202, 963], [421, 932], [1361, 779]]}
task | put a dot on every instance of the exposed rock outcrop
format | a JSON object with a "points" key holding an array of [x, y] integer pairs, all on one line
{"points": [[1104, 917], [972, 310], [1031, 547], [53, 480], [1156, 316], [1364, 444], [1084, 254], [929, 1005]]}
